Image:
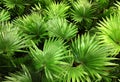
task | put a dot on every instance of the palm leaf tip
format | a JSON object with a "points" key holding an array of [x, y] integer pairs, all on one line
{"points": [[37, 8]]}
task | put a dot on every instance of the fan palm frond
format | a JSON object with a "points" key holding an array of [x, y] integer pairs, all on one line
{"points": [[102, 3], [14, 3], [55, 10], [32, 25], [75, 74], [90, 60], [46, 2], [16, 7], [117, 4], [110, 11], [11, 39], [4, 15], [50, 60], [59, 27], [20, 76], [109, 33], [37, 7], [82, 10]]}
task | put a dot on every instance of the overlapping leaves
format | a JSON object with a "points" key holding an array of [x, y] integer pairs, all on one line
{"points": [[50, 59], [82, 11], [9, 45], [89, 61], [60, 28], [57, 10], [19, 76], [109, 33], [13, 3], [4, 15], [33, 26]]}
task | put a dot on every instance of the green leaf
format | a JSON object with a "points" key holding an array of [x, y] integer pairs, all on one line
{"points": [[60, 27], [75, 74], [19, 76], [109, 33], [91, 55], [14, 3], [33, 26], [4, 15], [11, 39], [82, 10], [56, 10], [51, 58]]}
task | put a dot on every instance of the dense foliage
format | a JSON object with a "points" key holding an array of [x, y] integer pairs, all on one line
{"points": [[59, 41]]}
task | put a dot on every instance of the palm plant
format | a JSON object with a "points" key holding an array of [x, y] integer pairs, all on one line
{"points": [[13, 3], [50, 60], [42, 38], [102, 3], [8, 45], [55, 10], [109, 33], [82, 11], [33, 26], [4, 15], [90, 59], [19, 76], [60, 28]]}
